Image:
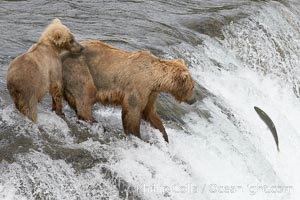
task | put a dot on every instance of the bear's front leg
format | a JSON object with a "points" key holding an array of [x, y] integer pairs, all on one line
{"points": [[131, 122], [156, 122], [150, 115], [56, 93], [84, 112]]}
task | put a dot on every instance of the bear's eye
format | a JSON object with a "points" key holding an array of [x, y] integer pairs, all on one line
{"points": [[72, 41]]}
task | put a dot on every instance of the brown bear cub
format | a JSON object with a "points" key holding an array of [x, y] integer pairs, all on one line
{"points": [[102, 73], [33, 73]]}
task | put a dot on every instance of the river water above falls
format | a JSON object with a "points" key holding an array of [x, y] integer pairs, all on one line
{"points": [[241, 53]]}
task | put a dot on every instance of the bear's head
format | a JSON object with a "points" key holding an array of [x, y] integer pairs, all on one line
{"points": [[183, 83], [60, 37]]}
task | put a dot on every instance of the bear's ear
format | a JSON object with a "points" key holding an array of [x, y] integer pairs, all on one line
{"points": [[57, 37], [56, 21], [184, 76], [180, 60]]}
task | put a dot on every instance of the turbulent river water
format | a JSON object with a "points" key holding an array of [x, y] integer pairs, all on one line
{"points": [[241, 54]]}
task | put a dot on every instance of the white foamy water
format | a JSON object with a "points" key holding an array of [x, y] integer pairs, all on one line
{"points": [[232, 154]]}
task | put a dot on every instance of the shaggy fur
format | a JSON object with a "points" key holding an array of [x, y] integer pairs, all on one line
{"points": [[33, 73], [133, 80]]}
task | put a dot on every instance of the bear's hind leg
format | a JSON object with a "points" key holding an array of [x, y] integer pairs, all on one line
{"points": [[85, 102], [28, 107], [70, 99], [25, 102], [32, 112], [56, 93]]}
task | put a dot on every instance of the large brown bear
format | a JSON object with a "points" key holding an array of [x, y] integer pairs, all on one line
{"points": [[131, 79], [33, 73]]}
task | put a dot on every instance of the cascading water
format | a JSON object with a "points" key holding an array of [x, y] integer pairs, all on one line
{"points": [[241, 54]]}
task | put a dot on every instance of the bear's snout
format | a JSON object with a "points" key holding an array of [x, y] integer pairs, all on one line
{"points": [[191, 100], [75, 47], [81, 48]]}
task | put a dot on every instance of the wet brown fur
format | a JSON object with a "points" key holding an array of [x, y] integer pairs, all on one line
{"points": [[37, 71], [130, 79]]}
